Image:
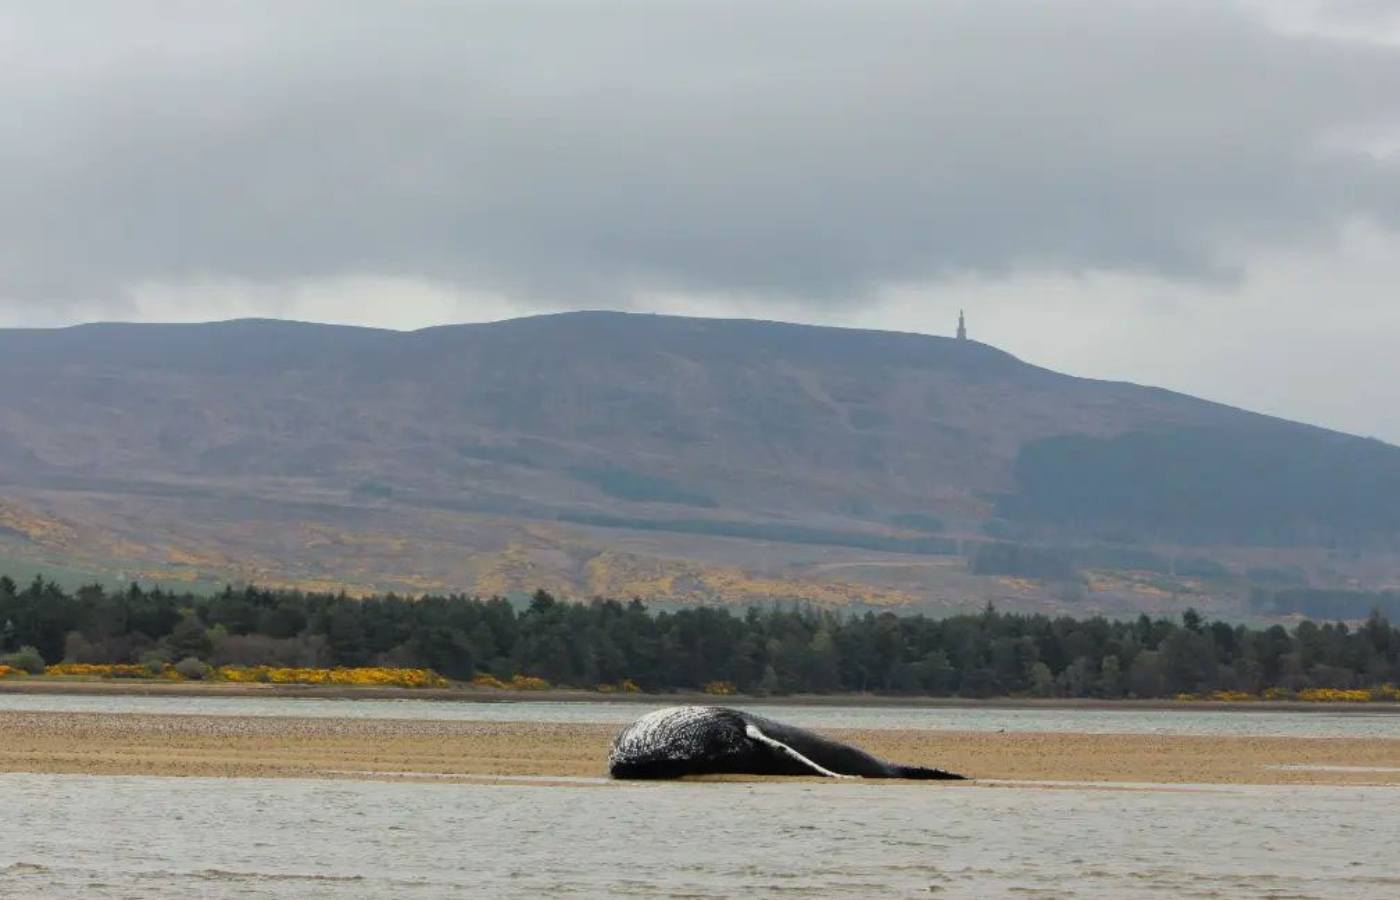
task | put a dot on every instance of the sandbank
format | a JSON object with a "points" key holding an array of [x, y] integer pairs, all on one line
{"points": [[294, 747]]}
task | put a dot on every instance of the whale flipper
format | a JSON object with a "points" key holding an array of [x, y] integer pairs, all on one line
{"points": [[754, 732]]}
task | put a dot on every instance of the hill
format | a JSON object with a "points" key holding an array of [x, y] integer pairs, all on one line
{"points": [[697, 459]]}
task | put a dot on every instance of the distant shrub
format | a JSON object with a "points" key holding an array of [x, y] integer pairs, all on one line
{"points": [[26, 659], [720, 688], [626, 686], [155, 660], [78, 649], [519, 683], [261, 650], [192, 668]]}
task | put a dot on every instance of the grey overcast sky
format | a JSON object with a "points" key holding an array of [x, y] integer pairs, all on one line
{"points": [[1200, 195]]}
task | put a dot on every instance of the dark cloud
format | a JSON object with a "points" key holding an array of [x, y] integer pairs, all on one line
{"points": [[572, 150]]}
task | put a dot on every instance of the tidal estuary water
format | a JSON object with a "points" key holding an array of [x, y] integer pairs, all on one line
{"points": [[76, 836], [79, 836], [1188, 720]]}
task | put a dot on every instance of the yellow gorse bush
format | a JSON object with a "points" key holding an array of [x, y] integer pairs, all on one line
{"points": [[1231, 696], [1221, 696], [626, 686], [9, 670], [374, 676], [721, 688], [1334, 695], [518, 683], [367, 676], [112, 670], [1384, 693]]}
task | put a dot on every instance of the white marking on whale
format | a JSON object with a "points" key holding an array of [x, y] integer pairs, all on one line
{"points": [[753, 732]]}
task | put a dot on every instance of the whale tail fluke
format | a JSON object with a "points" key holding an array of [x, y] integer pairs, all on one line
{"points": [[922, 774]]}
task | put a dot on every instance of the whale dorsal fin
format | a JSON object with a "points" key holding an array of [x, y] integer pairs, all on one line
{"points": [[754, 732]]}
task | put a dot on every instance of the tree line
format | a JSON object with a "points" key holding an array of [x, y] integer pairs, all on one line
{"points": [[775, 650]]}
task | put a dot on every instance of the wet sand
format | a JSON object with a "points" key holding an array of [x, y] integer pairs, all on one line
{"points": [[175, 745]]}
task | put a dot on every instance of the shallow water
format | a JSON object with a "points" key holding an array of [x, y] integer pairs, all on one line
{"points": [[1086, 721], [108, 837]]}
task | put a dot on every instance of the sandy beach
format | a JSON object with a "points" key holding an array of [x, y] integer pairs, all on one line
{"points": [[194, 745]]}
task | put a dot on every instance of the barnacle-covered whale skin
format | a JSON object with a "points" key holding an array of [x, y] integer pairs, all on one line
{"points": [[713, 740]]}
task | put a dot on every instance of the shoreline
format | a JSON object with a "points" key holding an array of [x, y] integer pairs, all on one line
{"points": [[135, 687], [106, 743]]}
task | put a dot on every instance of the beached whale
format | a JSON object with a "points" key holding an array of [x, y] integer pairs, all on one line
{"points": [[713, 740]]}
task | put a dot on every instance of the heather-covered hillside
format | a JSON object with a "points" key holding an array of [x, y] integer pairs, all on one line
{"points": [[686, 458]]}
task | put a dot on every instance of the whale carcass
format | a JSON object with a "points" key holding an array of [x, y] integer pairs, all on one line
{"points": [[714, 740]]}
